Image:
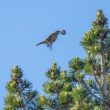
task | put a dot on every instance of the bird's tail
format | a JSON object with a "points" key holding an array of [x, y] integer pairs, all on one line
{"points": [[43, 42]]}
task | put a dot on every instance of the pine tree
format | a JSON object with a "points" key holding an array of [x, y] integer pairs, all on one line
{"points": [[95, 67], [83, 85], [63, 92], [57, 89], [20, 95]]}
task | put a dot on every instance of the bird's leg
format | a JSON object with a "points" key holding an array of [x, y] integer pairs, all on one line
{"points": [[50, 46]]}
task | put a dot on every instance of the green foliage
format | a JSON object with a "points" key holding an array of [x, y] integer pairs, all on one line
{"points": [[50, 87], [54, 72], [88, 72], [101, 18], [13, 101], [58, 87], [76, 64], [96, 40], [65, 97], [42, 102], [16, 72], [63, 93], [63, 75], [79, 89], [20, 94]]}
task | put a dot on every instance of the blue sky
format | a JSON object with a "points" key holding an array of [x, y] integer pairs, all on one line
{"points": [[24, 23]]}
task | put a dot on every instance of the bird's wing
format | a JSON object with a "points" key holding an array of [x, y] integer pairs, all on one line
{"points": [[49, 40], [52, 37]]}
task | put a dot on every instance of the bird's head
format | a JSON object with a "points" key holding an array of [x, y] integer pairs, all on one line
{"points": [[63, 32]]}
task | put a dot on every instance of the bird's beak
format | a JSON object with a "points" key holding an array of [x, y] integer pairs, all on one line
{"points": [[63, 32]]}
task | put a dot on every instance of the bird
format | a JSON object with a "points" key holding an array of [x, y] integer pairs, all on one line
{"points": [[52, 38]]}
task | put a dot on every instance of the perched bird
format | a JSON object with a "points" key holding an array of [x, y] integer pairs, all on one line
{"points": [[52, 38]]}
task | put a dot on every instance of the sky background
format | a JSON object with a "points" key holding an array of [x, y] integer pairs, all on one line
{"points": [[24, 23]]}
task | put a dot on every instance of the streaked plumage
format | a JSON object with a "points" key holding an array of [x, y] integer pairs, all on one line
{"points": [[52, 38]]}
